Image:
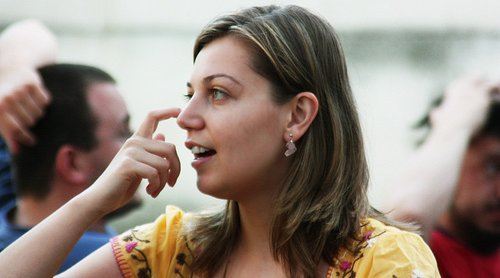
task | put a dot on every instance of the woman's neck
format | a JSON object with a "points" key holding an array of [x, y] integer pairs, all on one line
{"points": [[255, 227], [252, 255]]}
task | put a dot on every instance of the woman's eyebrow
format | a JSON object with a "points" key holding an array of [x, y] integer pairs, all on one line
{"points": [[218, 75], [213, 76]]}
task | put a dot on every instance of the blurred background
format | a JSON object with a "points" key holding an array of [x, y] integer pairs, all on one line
{"points": [[401, 55]]}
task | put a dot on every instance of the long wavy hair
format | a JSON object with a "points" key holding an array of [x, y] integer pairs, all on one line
{"points": [[324, 195]]}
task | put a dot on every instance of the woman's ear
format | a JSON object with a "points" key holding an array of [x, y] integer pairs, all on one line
{"points": [[304, 107]]}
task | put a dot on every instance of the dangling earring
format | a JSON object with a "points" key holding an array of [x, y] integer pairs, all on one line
{"points": [[290, 146]]}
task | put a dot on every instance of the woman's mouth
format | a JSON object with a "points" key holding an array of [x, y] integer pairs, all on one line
{"points": [[202, 152]]}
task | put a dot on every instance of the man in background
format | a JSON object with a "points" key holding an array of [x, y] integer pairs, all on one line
{"points": [[63, 124], [451, 185]]}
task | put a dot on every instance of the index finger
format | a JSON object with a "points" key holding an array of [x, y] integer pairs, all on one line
{"points": [[149, 125], [39, 95]]}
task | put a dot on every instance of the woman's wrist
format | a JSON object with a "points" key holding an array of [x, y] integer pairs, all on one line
{"points": [[83, 205]]}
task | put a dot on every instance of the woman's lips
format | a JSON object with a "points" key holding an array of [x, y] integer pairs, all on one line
{"points": [[200, 161]]}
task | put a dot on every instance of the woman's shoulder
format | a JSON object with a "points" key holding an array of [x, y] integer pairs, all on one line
{"points": [[386, 251], [166, 227], [154, 249]]}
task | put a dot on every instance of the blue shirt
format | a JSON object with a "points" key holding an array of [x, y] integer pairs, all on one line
{"points": [[89, 242], [7, 195]]}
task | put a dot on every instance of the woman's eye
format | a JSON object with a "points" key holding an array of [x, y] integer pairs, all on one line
{"points": [[188, 96], [218, 94]]}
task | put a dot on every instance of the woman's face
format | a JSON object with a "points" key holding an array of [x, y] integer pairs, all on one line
{"points": [[234, 129]]}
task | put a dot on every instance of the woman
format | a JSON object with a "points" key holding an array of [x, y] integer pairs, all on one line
{"points": [[273, 128]]}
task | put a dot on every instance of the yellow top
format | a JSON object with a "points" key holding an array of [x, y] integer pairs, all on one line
{"points": [[157, 250]]}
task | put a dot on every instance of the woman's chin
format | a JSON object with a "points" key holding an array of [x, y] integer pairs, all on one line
{"points": [[213, 190]]}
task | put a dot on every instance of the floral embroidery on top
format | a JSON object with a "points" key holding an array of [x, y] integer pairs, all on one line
{"points": [[345, 267], [182, 260], [131, 246], [370, 242], [367, 235], [414, 274]]}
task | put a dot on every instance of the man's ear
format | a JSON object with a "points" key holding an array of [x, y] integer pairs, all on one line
{"points": [[304, 108], [69, 166]]}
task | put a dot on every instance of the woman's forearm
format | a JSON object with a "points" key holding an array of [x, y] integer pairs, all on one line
{"points": [[41, 251], [44, 248]]}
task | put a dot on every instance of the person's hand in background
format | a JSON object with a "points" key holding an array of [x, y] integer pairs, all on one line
{"points": [[22, 102]]}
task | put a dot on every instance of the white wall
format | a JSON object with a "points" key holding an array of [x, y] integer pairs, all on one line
{"points": [[190, 15]]}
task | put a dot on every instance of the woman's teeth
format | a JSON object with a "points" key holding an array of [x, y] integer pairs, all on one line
{"points": [[199, 150]]}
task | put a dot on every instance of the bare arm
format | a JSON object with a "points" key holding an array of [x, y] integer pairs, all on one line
{"points": [[424, 187], [426, 184], [53, 238], [24, 46], [100, 263], [44, 248]]}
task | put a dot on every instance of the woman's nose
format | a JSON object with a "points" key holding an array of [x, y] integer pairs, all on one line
{"points": [[190, 117]]}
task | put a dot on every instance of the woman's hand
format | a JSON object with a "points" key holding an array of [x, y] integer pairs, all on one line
{"points": [[141, 157]]}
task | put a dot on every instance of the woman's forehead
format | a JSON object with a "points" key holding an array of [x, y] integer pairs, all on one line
{"points": [[226, 55], [228, 59]]}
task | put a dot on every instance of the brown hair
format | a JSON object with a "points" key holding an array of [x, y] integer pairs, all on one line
{"points": [[324, 196]]}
